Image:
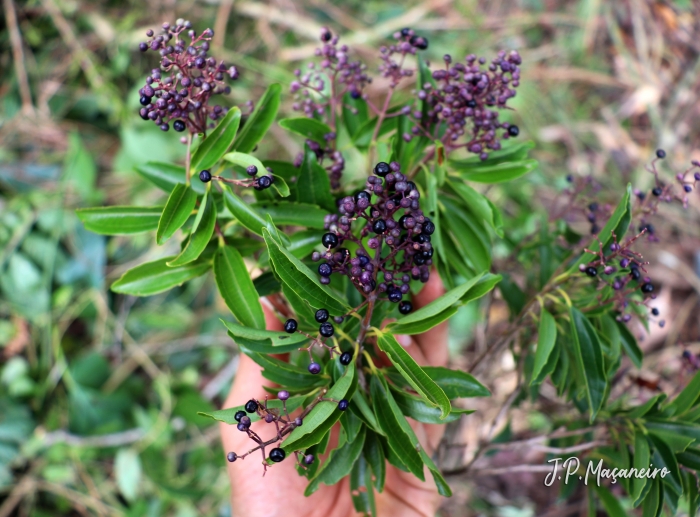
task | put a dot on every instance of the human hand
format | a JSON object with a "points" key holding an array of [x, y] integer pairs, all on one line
{"points": [[281, 491]]}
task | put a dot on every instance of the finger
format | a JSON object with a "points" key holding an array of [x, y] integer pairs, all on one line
{"points": [[433, 343]]}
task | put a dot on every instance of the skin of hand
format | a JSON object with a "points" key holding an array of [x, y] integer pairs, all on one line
{"points": [[281, 491]]}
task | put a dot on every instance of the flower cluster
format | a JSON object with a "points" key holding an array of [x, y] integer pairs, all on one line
{"points": [[283, 423], [181, 89], [465, 101], [343, 75], [395, 228], [408, 43], [663, 192]]}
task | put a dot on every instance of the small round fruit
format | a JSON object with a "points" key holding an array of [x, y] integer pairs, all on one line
{"points": [[205, 176], [179, 126], [655, 311], [661, 154], [329, 240], [322, 315], [343, 405], [324, 269], [647, 288], [428, 227], [591, 271], [239, 414], [283, 394], [379, 226], [309, 459], [405, 307], [277, 454], [290, 326], [314, 368], [326, 329], [345, 358], [231, 457], [382, 169], [251, 406], [513, 130], [252, 170], [656, 191]]}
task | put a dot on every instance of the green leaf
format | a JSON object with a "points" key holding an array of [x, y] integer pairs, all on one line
{"points": [[649, 406], [589, 357], [547, 337], [629, 343], [686, 399], [653, 503], [166, 175], [338, 465], [434, 213], [363, 137], [301, 279], [267, 284], [293, 214], [127, 473], [509, 153], [610, 502], [414, 374], [455, 383], [79, 169], [642, 456], [321, 418], [389, 417], [663, 457], [435, 307], [670, 432], [374, 454], [155, 277], [313, 184], [309, 128], [292, 377], [479, 205], [414, 407], [177, 209], [621, 214], [201, 233], [418, 327], [259, 121], [494, 173], [214, 146], [236, 287], [227, 416], [691, 492], [245, 160], [272, 337], [361, 488], [242, 211], [120, 220]]}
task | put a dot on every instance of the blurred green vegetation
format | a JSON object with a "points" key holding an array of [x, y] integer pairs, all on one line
{"points": [[99, 392]]}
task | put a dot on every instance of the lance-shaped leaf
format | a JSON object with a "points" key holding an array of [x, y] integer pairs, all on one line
{"points": [[686, 399], [338, 465], [202, 232], [479, 205], [589, 356], [414, 374], [227, 416], [236, 287], [120, 220], [301, 279], [246, 160], [547, 337], [178, 208], [434, 308], [259, 121], [313, 185], [309, 128], [416, 408], [166, 175], [497, 173], [156, 277], [269, 336], [389, 417], [294, 214], [215, 145], [321, 418], [247, 216]]}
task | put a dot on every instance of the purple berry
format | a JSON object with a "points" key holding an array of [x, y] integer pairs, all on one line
{"points": [[283, 395], [314, 368]]}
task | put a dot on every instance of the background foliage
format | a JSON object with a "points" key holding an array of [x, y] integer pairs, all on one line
{"points": [[99, 391]]}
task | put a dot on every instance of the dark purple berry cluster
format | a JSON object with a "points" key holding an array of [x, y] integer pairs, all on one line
{"points": [[394, 56], [325, 82], [465, 102], [392, 247], [283, 424], [180, 90]]}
